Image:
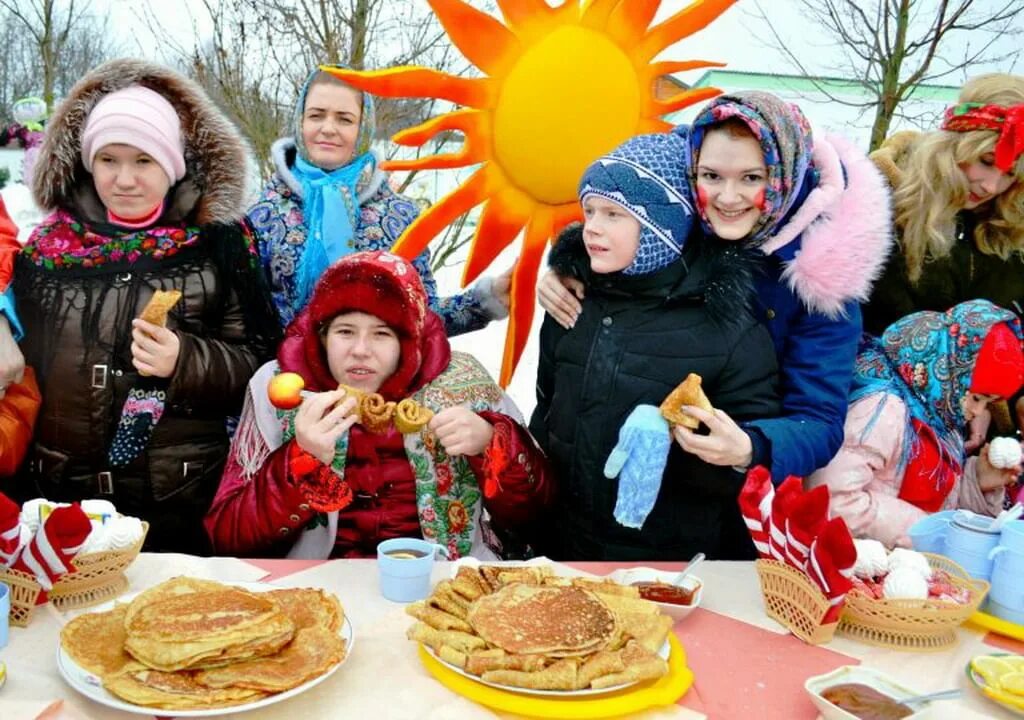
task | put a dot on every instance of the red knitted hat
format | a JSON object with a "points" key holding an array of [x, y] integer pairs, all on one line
{"points": [[377, 283], [999, 369]]}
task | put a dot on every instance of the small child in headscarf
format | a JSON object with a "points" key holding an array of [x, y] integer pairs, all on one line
{"points": [[914, 392], [657, 308]]}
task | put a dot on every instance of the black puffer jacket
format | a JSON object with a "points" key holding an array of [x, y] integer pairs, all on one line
{"points": [[78, 323], [636, 339]]}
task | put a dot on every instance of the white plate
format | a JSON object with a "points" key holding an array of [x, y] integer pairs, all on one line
{"points": [[663, 652], [89, 685]]}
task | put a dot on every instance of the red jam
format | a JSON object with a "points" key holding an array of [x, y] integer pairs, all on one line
{"points": [[665, 593], [865, 702]]}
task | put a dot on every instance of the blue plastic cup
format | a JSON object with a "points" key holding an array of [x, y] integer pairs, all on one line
{"points": [[969, 542], [929, 533], [1012, 536], [405, 565], [5, 613], [1007, 578]]}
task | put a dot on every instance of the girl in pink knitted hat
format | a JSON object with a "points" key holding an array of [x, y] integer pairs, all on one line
{"points": [[143, 175]]}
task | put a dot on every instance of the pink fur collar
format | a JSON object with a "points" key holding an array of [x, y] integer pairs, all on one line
{"points": [[845, 230]]}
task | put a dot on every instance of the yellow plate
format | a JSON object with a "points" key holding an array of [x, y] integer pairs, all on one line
{"points": [[664, 691], [997, 625]]}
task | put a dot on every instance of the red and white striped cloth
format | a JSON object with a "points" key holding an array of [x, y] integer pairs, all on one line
{"points": [[805, 522], [830, 565], [10, 531], [792, 526], [756, 507], [60, 537]]}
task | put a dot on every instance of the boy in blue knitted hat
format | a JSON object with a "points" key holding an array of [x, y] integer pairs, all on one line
{"points": [[659, 305]]}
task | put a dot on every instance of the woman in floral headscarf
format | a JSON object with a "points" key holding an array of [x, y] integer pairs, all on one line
{"points": [[327, 198], [914, 392], [817, 212]]}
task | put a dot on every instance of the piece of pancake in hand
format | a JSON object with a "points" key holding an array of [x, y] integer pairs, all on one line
{"points": [[96, 641], [688, 392], [310, 654], [159, 306], [554, 621], [141, 685]]}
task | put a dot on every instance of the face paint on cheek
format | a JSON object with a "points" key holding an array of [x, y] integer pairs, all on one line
{"points": [[702, 198], [760, 200]]}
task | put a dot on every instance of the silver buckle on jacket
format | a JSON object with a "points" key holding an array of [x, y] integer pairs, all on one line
{"points": [[105, 483], [191, 468], [99, 376]]}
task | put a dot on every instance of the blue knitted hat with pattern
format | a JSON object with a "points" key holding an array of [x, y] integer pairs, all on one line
{"points": [[646, 175]]}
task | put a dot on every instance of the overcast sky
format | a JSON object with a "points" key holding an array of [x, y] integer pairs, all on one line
{"points": [[738, 37]]}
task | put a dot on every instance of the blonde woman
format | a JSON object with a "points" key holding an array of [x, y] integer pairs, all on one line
{"points": [[958, 202]]}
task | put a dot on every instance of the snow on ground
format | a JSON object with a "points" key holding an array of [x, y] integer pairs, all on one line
{"points": [[486, 345]]}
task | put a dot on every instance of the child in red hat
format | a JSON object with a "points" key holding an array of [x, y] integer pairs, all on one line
{"points": [[317, 481], [914, 392]]}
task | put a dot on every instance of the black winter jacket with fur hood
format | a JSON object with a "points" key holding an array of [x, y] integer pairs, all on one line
{"points": [[78, 322], [636, 339]]}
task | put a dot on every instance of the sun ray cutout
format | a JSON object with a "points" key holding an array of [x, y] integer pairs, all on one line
{"points": [[561, 85]]}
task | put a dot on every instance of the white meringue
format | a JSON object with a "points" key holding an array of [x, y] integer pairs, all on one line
{"points": [[905, 583], [872, 559], [99, 508], [1004, 453], [121, 533], [904, 558], [93, 543], [30, 513]]}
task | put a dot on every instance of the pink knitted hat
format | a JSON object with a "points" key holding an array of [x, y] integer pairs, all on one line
{"points": [[139, 117]]}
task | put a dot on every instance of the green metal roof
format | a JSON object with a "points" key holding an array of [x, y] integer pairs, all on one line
{"points": [[774, 82]]}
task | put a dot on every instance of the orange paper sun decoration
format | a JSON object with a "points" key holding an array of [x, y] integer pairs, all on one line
{"points": [[562, 86]]}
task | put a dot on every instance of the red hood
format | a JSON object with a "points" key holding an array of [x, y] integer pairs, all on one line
{"points": [[302, 352]]}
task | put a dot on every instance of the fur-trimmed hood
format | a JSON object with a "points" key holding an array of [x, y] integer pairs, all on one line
{"points": [[283, 153], [844, 230], [213, 190], [891, 158]]}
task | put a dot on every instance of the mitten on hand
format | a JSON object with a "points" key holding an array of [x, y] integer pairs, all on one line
{"points": [[755, 501], [639, 460], [805, 522], [61, 536], [10, 531]]}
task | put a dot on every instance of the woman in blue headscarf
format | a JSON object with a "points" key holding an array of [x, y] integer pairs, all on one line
{"points": [[328, 198]]}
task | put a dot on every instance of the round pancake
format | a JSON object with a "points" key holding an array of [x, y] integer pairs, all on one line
{"points": [[172, 691], [313, 652], [175, 586], [309, 607], [199, 615], [527, 619], [96, 641]]}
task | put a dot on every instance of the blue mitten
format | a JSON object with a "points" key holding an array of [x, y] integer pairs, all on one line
{"points": [[640, 457]]}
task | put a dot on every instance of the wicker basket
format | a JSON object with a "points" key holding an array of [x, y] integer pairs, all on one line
{"points": [[99, 577], [912, 624], [794, 601]]}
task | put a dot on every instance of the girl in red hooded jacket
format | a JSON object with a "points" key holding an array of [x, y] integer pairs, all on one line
{"points": [[311, 482]]}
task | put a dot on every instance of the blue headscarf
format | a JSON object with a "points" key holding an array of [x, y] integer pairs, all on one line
{"points": [[646, 175], [927, 360], [330, 198]]}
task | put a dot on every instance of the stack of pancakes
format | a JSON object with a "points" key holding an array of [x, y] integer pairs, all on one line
{"points": [[193, 644], [525, 627]]}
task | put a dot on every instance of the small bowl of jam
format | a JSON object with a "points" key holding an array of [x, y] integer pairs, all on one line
{"points": [[655, 585], [855, 692]]}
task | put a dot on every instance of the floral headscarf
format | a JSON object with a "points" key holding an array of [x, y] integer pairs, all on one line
{"points": [[785, 138], [927, 360]]}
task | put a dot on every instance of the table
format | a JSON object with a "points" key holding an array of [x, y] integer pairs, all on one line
{"points": [[746, 666]]}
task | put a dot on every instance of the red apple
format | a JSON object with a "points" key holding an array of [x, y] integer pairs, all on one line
{"points": [[285, 390]]}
